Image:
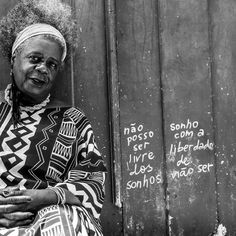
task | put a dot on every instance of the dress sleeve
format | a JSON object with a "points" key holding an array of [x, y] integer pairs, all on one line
{"points": [[86, 179]]}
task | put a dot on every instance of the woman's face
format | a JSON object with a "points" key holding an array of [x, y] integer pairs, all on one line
{"points": [[35, 67]]}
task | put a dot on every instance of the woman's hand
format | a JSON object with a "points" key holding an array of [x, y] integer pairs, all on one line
{"points": [[18, 207], [31, 200], [13, 219]]}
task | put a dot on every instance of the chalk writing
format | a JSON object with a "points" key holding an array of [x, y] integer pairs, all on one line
{"points": [[189, 138], [187, 125], [145, 182], [140, 163], [191, 147]]}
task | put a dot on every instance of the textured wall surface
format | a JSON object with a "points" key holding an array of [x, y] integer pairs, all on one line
{"points": [[157, 80]]}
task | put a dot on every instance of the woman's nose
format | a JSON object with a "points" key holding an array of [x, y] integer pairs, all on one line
{"points": [[42, 67]]}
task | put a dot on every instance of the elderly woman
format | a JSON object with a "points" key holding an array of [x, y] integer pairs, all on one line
{"points": [[51, 172]]}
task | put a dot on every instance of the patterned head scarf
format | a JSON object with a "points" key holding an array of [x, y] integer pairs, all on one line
{"points": [[39, 29]]}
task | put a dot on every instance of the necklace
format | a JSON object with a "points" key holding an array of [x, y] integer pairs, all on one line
{"points": [[25, 108]]}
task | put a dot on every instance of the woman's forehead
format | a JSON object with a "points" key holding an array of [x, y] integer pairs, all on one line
{"points": [[42, 45]]}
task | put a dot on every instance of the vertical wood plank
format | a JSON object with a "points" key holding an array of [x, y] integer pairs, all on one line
{"points": [[188, 117], [114, 104], [4, 64], [140, 117], [90, 81], [62, 90], [224, 61]]}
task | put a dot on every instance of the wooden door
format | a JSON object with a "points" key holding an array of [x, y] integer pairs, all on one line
{"points": [[176, 65], [156, 79], [84, 84]]}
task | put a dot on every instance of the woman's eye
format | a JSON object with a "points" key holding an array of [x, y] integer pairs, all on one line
{"points": [[53, 65], [34, 59]]}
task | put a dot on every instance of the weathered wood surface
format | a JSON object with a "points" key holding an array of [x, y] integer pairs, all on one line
{"points": [[187, 101], [114, 101], [84, 84], [173, 64], [4, 65], [140, 118], [91, 93], [224, 70]]}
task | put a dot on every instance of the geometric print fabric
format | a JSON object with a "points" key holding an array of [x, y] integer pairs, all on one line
{"points": [[58, 148]]}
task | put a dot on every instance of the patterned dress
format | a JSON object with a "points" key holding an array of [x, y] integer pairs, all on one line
{"points": [[53, 147]]}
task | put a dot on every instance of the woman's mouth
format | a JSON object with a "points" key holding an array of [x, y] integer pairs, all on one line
{"points": [[38, 81]]}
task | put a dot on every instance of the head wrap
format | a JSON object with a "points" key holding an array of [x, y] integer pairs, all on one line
{"points": [[39, 29]]}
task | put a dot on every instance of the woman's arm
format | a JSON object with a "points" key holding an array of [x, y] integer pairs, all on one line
{"points": [[83, 185], [86, 179]]}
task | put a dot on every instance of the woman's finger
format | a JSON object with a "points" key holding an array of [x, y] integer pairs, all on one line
{"points": [[8, 190], [14, 192], [17, 216], [24, 222], [9, 208], [15, 200], [4, 222]]}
